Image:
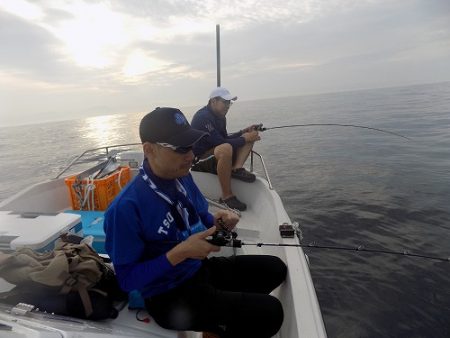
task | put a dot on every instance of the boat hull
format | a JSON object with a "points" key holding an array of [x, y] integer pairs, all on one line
{"points": [[259, 224]]}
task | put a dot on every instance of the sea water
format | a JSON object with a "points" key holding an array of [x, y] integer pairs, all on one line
{"points": [[346, 186]]}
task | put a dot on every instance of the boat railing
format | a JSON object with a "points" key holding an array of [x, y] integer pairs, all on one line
{"points": [[263, 164], [108, 152]]}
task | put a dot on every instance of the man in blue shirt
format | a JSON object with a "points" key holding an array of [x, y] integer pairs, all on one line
{"points": [[156, 235], [230, 150]]}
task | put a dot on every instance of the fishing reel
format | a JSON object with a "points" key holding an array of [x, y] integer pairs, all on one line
{"points": [[225, 238], [259, 127]]}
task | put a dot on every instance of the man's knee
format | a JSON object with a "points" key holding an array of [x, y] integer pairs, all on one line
{"points": [[223, 151], [258, 316]]}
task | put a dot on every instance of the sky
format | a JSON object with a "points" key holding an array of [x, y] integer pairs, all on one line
{"points": [[63, 59]]}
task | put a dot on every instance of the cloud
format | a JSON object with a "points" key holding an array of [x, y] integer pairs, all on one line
{"points": [[32, 55], [114, 56], [26, 47], [233, 14]]}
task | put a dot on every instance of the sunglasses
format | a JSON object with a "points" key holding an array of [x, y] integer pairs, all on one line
{"points": [[225, 102], [179, 150]]}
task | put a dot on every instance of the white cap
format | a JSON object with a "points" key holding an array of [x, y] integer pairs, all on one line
{"points": [[223, 93]]}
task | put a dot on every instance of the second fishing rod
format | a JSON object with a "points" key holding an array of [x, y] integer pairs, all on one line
{"points": [[260, 127]]}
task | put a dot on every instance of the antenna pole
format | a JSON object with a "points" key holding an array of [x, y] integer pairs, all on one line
{"points": [[218, 53]]}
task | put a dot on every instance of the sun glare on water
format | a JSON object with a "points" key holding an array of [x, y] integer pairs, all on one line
{"points": [[101, 130]]}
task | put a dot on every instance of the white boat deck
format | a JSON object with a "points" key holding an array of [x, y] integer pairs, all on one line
{"points": [[258, 224]]}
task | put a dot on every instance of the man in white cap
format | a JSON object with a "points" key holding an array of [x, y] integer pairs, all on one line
{"points": [[230, 150]]}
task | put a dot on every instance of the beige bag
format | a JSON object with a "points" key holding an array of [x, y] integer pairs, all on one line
{"points": [[69, 267]]}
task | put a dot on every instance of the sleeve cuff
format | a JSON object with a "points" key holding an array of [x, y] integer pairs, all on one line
{"points": [[165, 265], [209, 220]]}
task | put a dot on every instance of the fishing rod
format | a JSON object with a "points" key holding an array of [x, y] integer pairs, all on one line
{"points": [[359, 248], [229, 239], [260, 127]]}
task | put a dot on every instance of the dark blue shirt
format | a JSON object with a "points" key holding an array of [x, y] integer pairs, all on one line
{"points": [[216, 126], [140, 229]]}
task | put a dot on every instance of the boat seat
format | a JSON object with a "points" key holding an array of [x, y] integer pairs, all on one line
{"points": [[37, 231]]}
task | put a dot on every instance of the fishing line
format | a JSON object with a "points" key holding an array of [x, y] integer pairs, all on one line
{"points": [[359, 248], [261, 128], [229, 239]]}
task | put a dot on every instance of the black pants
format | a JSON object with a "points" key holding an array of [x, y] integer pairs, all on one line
{"points": [[228, 296]]}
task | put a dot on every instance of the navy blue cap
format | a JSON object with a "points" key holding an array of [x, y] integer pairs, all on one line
{"points": [[168, 125]]}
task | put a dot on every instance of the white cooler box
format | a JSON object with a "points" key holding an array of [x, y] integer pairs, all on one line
{"points": [[37, 232]]}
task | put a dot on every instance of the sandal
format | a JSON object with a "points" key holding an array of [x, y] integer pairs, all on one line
{"points": [[243, 175], [233, 203]]}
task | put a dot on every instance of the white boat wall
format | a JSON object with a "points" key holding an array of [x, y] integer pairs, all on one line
{"points": [[34, 207]]}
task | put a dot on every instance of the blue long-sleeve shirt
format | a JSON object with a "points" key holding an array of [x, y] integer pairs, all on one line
{"points": [[140, 229], [216, 126]]}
